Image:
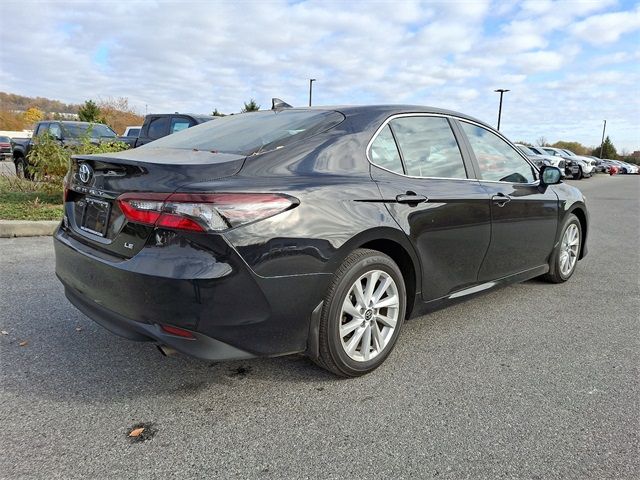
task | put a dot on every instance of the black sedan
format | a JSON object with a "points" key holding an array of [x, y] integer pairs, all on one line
{"points": [[316, 230]]}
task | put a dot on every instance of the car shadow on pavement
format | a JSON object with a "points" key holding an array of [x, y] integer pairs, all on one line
{"points": [[80, 361]]}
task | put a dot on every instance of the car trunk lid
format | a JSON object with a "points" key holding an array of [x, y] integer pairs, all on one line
{"points": [[94, 182]]}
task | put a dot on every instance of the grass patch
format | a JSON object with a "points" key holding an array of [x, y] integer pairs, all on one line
{"points": [[26, 200]]}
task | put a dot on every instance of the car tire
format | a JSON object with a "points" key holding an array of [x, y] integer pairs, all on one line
{"points": [[21, 171], [567, 250], [579, 175], [362, 314]]}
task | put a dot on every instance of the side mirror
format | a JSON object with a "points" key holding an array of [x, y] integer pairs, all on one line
{"points": [[549, 175]]}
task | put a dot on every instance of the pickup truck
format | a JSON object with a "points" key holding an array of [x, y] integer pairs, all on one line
{"points": [[160, 125], [66, 132]]}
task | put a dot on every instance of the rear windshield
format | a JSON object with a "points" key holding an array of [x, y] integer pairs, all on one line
{"points": [[94, 130], [252, 133]]}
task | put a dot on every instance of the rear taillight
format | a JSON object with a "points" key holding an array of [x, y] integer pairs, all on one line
{"points": [[202, 212]]}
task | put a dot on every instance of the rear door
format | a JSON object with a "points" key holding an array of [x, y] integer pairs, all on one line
{"points": [[428, 187], [524, 217]]}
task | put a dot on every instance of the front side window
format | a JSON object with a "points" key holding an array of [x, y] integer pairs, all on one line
{"points": [[42, 128], [428, 147], [498, 161], [384, 151], [158, 127], [178, 124]]}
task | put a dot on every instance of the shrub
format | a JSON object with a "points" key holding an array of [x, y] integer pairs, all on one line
{"points": [[49, 161]]}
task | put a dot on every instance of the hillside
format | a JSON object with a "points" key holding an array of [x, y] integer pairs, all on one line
{"points": [[12, 101]]}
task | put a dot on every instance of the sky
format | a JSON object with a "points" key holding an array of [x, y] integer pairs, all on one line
{"points": [[568, 64]]}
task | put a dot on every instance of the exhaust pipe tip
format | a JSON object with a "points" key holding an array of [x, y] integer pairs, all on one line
{"points": [[166, 351]]}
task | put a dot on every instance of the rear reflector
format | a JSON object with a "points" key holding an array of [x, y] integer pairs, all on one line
{"points": [[202, 212], [177, 331]]}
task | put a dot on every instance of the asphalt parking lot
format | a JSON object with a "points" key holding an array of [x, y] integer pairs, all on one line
{"points": [[531, 381], [7, 168]]}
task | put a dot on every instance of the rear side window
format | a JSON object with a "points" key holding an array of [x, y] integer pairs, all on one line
{"points": [[498, 161], [158, 127], [428, 147], [384, 151], [251, 133]]}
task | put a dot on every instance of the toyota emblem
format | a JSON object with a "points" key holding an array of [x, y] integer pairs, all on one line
{"points": [[85, 173]]}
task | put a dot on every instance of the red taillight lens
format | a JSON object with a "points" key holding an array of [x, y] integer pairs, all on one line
{"points": [[202, 212], [177, 331]]}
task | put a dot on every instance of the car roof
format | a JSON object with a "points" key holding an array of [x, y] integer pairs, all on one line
{"points": [[391, 109]]}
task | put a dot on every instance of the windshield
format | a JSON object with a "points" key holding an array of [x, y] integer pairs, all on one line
{"points": [[94, 130], [5, 140], [252, 133], [569, 152], [526, 150]]}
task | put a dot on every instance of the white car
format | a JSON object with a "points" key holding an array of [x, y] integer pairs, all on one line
{"points": [[543, 156], [586, 165]]}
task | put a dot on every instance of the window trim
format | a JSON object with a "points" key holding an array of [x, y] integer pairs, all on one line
{"points": [[535, 182], [468, 166]]}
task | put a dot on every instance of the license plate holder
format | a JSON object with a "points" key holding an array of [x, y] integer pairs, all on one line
{"points": [[95, 218]]}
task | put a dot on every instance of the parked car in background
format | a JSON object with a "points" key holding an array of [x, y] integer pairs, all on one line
{"points": [[66, 132], [160, 125], [584, 168], [316, 230], [591, 163], [626, 168], [6, 148], [543, 157]]}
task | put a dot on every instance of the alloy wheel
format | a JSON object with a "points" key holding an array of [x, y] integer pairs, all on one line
{"points": [[369, 315], [569, 249]]}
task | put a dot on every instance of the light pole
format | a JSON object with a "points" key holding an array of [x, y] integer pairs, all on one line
{"points": [[502, 91], [604, 127], [311, 80]]}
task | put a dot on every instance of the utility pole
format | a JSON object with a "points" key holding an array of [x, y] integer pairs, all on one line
{"points": [[604, 127], [311, 80], [502, 91]]}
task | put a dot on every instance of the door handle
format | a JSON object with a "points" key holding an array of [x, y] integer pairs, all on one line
{"points": [[501, 199], [411, 198]]}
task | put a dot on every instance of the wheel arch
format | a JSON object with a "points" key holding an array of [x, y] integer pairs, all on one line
{"points": [[580, 212], [396, 245]]}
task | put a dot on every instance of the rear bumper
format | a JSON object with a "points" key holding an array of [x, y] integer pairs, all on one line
{"points": [[199, 284], [201, 346]]}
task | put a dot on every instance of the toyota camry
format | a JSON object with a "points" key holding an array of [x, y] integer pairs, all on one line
{"points": [[315, 230]]}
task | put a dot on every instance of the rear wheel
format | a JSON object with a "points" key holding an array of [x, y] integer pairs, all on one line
{"points": [[565, 255], [362, 315]]}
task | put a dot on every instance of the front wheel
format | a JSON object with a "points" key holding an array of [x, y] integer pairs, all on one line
{"points": [[565, 256], [362, 314], [579, 175], [21, 170]]}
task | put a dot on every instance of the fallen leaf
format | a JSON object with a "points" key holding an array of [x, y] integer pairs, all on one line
{"points": [[136, 432], [4, 332], [23, 344]]}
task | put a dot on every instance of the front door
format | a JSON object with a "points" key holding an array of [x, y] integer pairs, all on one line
{"points": [[524, 217]]}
